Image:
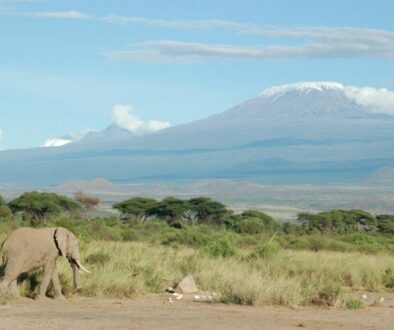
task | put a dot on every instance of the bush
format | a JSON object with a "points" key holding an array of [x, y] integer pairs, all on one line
{"points": [[388, 278], [299, 243], [221, 247], [329, 294], [354, 304], [5, 211], [264, 251], [317, 243], [250, 226], [128, 234], [194, 237]]}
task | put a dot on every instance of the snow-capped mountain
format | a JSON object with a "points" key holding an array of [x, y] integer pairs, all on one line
{"points": [[305, 132]]}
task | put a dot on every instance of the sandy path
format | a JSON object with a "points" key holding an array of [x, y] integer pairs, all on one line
{"points": [[157, 313]]}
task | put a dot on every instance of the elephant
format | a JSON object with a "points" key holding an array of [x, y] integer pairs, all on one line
{"points": [[28, 249]]}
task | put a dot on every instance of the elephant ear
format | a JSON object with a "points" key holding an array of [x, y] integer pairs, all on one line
{"points": [[61, 237]]}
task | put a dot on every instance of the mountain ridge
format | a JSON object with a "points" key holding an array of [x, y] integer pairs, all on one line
{"points": [[306, 132]]}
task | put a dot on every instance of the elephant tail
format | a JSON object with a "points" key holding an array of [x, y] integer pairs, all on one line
{"points": [[3, 253]]}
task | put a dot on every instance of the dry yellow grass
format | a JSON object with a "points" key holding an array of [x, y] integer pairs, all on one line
{"points": [[288, 278]]}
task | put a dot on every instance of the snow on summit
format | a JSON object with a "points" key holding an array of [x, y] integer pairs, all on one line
{"points": [[301, 87]]}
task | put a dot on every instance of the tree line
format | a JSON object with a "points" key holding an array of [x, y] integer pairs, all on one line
{"points": [[178, 212]]}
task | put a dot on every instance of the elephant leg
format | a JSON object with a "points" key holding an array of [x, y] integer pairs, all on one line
{"points": [[14, 288], [46, 278], [4, 286], [57, 288], [8, 284]]}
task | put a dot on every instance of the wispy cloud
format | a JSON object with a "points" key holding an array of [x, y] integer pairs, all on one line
{"points": [[176, 51], [21, 1], [178, 24], [123, 116], [307, 42], [59, 14]]}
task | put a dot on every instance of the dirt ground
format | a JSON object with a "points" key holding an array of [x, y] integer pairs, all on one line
{"points": [[159, 313]]}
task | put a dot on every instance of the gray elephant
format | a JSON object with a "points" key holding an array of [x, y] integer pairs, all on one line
{"points": [[28, 249]]}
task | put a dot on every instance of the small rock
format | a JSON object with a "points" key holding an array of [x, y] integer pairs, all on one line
{"points": [[187, 285], [301, 325], [364, 296]]}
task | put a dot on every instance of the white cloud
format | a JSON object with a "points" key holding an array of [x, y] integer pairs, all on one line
{"points": [[59, 14], [176, 51], [123, 116], [377, 100], [56, 142], [306, 42]]}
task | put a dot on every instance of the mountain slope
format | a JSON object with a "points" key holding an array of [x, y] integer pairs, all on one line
{"points": [[306, 132]]}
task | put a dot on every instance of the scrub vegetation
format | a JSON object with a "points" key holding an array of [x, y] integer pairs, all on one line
{"points": [[246, 258]]}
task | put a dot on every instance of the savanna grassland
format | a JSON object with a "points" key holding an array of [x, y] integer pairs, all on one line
{"points": [[247, 259]]}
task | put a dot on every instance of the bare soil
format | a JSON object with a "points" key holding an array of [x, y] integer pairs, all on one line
{"points": [[158, 312]]}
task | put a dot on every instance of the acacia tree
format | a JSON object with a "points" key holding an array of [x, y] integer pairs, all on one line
{"points": [[138, 207], [338, 221], [172, 210], [204, 209], [36, 205]]}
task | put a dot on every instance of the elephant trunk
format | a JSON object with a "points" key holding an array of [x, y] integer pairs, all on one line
{"points": [[75, 277]]}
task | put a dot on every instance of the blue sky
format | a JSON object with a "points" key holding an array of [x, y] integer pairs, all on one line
{"points": [[66, 66]]}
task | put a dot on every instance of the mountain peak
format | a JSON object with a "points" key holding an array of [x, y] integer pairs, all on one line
{"points": [[305, 87]]}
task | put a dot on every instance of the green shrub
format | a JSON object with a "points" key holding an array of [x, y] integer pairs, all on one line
{"points": [[354, 304], [250, 226], [317, 243], [5, 211], [170, 237], [128, 234], [265, 251], [221, 247], [193, 237], [388, 278], [299, 243]]}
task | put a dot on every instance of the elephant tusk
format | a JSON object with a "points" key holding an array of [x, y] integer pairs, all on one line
{"points": [[81, 267]]}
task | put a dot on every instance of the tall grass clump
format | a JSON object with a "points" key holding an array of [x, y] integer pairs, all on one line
{"points": [[129, 269]]}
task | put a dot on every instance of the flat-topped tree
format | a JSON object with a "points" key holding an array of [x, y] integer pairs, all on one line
{"points": [[172, 210], [138, 207], [37, 205], [206, 209]]}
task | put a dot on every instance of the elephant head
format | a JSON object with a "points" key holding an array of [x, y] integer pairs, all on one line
{"points": [[67, 245]]}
